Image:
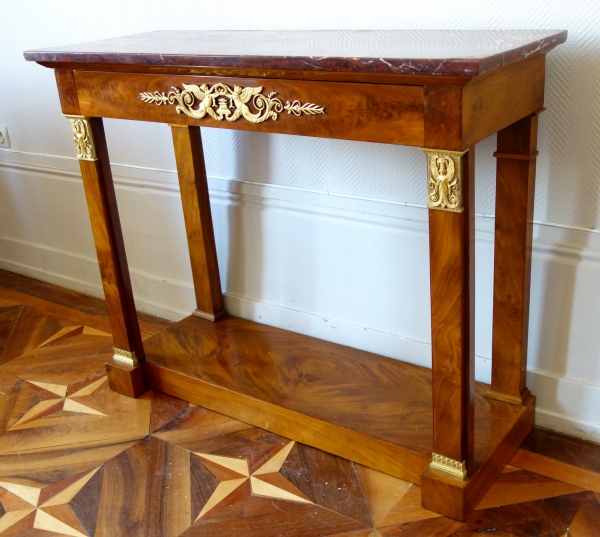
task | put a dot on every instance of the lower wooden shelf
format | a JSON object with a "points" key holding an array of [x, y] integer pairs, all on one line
{"points": [[370, 409]]}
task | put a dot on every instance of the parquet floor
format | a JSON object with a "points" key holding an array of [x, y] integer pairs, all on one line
{"points": [[77, 459]]}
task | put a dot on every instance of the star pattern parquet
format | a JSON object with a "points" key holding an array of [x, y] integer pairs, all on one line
{"points": [[77, 459]]}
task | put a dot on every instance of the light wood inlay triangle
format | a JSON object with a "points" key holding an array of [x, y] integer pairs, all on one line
{"points": [[29, 494], [44, 521], [11, 518], [239, 466], [90, 388], [42, 409], [89, 331], [224, 489], [275, 463], [58, 389], [75, 406], [261, 487]]}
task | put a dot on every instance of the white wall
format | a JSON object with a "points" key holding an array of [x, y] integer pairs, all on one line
{"points": [[324, 237]]}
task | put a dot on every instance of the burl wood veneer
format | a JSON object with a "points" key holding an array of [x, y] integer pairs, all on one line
{"points": [[440, 91]]}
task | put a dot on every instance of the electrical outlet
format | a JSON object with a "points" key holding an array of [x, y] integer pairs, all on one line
{"points": [[4, 139]]}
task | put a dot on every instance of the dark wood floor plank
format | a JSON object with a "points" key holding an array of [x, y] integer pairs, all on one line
{"points": [[259, 517], [229, 439], [556, 469], [522, 486], [382, 492], [360, 533], [122, 505], [438, 527], [10, 388], [327, 480], [203, 484], [59, 463], [564, 448], [168, 503], [32, 328], [587, 520], [194, 416], [408, 509], [164, 409], [8, 319], [86, 502], [86, 304], [549, 517]]}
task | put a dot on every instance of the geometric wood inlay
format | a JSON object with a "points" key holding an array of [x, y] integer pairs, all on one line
{"points": [[57, 400], [234, 473], [50, 502]]}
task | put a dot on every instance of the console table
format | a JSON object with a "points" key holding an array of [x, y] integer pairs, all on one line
{"points": [[439, 91]]}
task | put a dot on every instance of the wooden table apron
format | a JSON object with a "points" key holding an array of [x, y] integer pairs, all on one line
{"points": [[445, 116]]}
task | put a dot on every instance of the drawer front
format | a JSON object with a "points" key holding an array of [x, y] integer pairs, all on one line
{"points": [[350, 111]]}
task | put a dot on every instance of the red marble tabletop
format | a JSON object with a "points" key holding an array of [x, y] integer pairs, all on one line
{"points": [[437, 52]]}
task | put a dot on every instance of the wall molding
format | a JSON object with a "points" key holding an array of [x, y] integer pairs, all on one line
{"points": [[566, 243], [552, 244]]}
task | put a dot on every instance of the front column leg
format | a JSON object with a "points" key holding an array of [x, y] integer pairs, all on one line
{"points": [[451, 247], [126, 371]]}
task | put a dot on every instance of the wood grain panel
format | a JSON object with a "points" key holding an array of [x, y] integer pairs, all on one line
{"points": [[452, 274], [442, 121], [67, 91], [515, 192], [191, 172], [366, 112], [498, 100]]}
